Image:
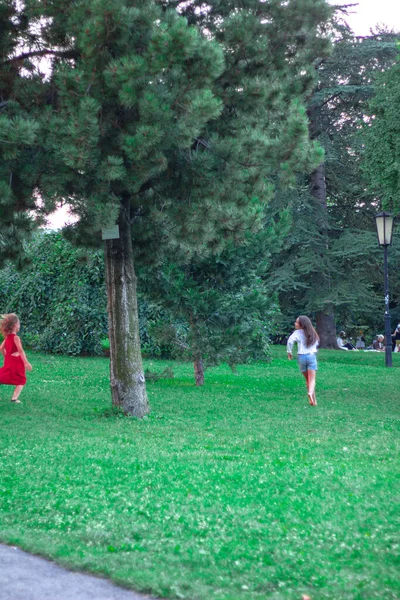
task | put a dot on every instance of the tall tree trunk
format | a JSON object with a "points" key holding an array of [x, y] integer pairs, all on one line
{"points": [[199, 371], [128, 388], [318, 185], [326, 324], [325, 319], [326, 327]]}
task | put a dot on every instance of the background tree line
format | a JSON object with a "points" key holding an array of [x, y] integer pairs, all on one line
{"points": [[331, 265]]}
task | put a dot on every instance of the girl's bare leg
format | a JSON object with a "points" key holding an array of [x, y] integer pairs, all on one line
{"points": [[17, 391], [307, 376], [311, 387]]}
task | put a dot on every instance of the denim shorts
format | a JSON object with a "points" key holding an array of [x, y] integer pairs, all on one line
{"points": [[307, 362]]}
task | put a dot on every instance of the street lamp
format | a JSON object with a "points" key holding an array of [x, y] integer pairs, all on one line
{"points": [[384, 229]]}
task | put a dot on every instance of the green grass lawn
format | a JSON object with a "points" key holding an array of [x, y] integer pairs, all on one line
{"points": [[238, 490]]}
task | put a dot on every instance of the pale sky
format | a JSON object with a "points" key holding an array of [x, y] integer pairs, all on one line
{"points": [[59, 218], [363, 16], [370, 12]]}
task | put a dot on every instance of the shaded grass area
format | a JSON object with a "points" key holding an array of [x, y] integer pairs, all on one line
{"points": [[238, 490]]}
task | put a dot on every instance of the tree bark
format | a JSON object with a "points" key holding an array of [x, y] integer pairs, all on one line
{"points": [[199, 371], [326, 328], [325, 319], [318, 185], [128, 388]]}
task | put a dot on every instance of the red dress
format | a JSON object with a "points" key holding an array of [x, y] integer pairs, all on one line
{"points": [[13, 372]]}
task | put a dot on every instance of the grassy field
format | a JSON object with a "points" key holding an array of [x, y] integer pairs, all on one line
{"points": [[238, 490]]}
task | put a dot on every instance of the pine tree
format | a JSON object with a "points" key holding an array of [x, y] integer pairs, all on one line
{"points": [[227, 177], [136, 87], [142, 123], [18, 135]]}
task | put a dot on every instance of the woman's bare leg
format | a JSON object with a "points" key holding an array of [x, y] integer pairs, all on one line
{"points": [[17, 391]]}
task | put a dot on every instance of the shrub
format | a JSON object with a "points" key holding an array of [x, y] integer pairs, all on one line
{"points": [[59, 296]]}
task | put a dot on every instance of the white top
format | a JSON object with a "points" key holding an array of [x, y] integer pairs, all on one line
{"points": [[299, 337]]}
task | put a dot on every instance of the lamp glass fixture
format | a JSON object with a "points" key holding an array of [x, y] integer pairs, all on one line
{"points": [[384, 228]]}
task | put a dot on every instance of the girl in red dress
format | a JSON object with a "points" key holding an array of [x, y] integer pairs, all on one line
{"points": [[15, 361]]}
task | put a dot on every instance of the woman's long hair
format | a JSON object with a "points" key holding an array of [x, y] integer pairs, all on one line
{"points": [[310, 334]]}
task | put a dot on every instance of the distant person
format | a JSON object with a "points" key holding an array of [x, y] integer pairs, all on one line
{"points": [[343, 342], [307, 344], [15, 361], [360, 343], [378, 343], [396, 339]]}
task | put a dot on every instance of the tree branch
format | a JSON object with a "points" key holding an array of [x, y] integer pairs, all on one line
{"points": [[63, 53]]}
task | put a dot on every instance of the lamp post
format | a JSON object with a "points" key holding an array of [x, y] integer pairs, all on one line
{"points": [[384, 229]]}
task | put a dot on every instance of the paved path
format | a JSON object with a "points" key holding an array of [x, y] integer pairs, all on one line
{"points": [[27, 577]]}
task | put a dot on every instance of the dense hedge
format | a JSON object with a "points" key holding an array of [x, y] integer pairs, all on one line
{"points": [[60, 297]]}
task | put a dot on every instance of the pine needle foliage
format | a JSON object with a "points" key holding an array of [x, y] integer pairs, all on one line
{"points": [[18, 135], [382, 151], [228, 175]]}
